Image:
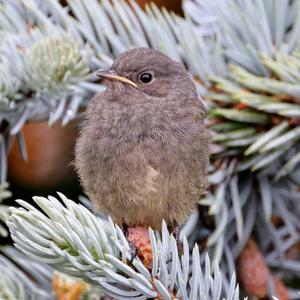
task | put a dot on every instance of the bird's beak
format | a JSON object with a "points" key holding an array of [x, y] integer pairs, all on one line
{"points": [[110, 75]]}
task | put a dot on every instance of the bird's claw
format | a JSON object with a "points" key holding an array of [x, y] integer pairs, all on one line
{"points": [[132, 248], [176, 234], [133, 252], [175, 230]]}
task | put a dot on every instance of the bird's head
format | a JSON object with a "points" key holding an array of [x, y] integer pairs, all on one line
{"points": [[147, 71]]}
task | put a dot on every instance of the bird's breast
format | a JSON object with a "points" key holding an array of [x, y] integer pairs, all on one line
{"points": [[118, 131], [149, 119]]}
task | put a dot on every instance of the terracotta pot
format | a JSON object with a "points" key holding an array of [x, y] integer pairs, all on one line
{"points": [[174, 5], [50, 152]]}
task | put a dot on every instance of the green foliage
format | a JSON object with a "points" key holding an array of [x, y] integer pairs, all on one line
{"points": [[22, 278], [254, 117], [54, 64], [252, 100], [103, 256], [4, 194], [248, 29]]}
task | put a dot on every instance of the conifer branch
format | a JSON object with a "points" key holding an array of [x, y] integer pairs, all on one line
{"points": [[73, 240]]}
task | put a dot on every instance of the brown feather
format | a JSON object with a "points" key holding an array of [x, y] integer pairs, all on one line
{"points": [[143, 153]]}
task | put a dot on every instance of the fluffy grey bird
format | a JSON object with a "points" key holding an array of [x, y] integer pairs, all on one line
{"points": [[143, 152]]}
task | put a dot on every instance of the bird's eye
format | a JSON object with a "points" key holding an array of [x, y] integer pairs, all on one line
{"points": [[145, 77]]}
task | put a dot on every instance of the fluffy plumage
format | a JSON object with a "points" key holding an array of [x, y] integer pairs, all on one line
{"points": [[142, 154]]}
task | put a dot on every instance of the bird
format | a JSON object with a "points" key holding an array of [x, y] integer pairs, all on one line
{"points": [[142, 153]]}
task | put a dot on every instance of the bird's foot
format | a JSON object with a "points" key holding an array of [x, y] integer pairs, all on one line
{"points": [[133, 252], [175, 231], [133, 249], [125, 230], [138, 239]]}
